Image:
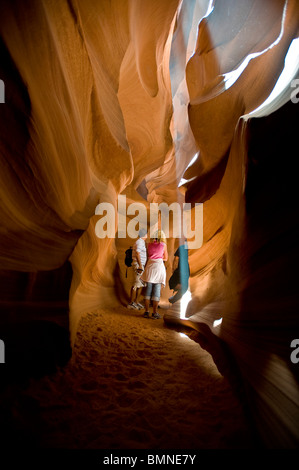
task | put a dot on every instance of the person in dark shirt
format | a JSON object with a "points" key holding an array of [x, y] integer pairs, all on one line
{"points": [[179, 281]]}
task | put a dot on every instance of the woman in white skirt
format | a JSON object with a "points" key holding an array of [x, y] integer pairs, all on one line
{"points": [[154, 274]]}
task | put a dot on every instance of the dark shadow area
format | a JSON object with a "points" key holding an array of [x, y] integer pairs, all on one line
{"points": [[269, 303], [33, 349], [225, 362], [16, 114], [203, 187], [34, 323], [34, 327]]}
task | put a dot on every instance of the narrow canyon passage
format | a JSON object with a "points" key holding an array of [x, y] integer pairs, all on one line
{"points": [[134, 383]]}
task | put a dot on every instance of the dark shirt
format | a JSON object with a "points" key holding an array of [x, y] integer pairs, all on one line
{"points": [[183, 265]]}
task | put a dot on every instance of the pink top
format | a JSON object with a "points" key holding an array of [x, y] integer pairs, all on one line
{"points": [[155, 250]]}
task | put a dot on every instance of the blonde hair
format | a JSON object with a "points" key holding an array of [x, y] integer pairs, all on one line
{"points": [[160, 236]]}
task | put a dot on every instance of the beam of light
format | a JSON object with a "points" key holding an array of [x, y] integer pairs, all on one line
{"points": [[291, 65], [183, 335], [210, 8], [217, 322], [193, 34], [184, 303], [184, 181], [180, 105], [193, 160]]}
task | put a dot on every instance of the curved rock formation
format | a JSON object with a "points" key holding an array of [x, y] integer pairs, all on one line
{"points": [[158, 101]]}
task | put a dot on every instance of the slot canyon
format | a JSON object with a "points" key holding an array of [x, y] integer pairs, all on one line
{"points": [[161, 101]]}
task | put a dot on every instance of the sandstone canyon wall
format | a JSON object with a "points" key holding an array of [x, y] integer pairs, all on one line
{"points": [[106, 98]]}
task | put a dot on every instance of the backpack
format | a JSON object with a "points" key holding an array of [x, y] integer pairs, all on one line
{"points": [[128, 258]]}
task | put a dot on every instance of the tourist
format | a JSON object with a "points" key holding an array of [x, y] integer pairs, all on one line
{"points": [[155, 273], [179, 280], [139, 257]]}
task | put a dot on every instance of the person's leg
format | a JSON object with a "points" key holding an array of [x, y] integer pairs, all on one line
{"points": [[136, 289], [174, 280], [133, 294], [156, 292], [147, 297], [132, 305], [181, 290], [155, 306], [174, 284], [138, 293]]}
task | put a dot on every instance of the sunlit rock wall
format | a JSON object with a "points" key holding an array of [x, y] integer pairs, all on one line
{"points": [[245, 271], [73, 71], [116, 97]]}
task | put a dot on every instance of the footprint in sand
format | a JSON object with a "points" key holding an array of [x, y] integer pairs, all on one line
{"points": [[136, 384], [121, 377], [139, 362]]}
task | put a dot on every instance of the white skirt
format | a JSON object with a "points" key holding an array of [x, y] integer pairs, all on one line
{"points": [[154, 272]]}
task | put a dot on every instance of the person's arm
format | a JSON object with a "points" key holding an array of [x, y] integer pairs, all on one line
{"points": [[137, 255], [165, 253], [139, 260], [175, 263]]}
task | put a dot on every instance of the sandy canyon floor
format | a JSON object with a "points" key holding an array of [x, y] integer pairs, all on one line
{"points": [[134, 383]]}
